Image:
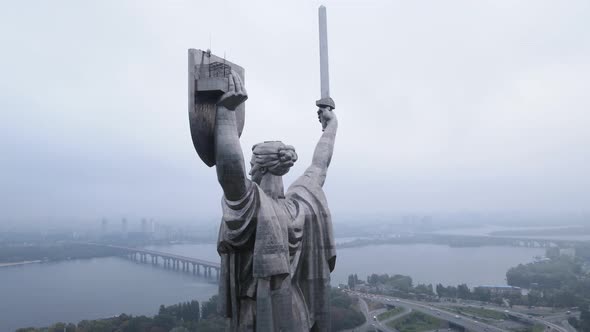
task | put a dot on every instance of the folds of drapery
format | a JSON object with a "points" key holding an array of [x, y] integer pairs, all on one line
{"points": [[252, 230], [318, 252], [254, 240]]}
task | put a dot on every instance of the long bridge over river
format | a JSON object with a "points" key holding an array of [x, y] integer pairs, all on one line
{"points": [[168, 260]]}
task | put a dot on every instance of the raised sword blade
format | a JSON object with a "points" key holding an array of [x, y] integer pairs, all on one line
{"points": [[326, 101]]}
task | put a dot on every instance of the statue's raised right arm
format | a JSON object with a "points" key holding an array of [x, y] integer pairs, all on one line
{"points": [[322, 154], [231, 170]]}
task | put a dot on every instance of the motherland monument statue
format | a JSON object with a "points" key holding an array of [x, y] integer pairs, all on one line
{"points": [[277, 248]]}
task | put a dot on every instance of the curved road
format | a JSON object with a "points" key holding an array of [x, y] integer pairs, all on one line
{"points": [[462, 320], [466, 322], [523, 316]]}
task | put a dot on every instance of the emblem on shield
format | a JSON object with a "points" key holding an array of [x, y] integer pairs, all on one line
{"points": [[207, 81]]}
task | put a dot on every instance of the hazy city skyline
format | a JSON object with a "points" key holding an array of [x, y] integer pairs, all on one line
{"points": [[454, 106]]}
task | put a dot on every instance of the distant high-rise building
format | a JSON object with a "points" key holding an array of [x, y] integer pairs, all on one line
{"points": [[144, 225], [104, 226], [124, 225]]}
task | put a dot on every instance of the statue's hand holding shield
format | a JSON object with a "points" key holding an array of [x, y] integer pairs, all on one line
{"points": [[236, 93]]}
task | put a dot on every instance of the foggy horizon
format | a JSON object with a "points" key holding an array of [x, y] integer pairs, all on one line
{"points": [[444, 109], [448, 189]]}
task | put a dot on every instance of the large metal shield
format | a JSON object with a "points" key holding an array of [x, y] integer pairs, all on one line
{"points": [[207, 81]]}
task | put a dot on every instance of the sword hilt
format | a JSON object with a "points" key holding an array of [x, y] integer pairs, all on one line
{"points": [[326, 102]]}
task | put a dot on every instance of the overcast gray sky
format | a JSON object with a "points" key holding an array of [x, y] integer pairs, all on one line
{"points": [[443, 105]]}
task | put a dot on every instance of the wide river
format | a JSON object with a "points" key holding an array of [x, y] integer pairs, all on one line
{"points": [[70, 291]]}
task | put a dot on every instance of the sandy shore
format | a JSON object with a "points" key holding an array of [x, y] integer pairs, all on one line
{"points": [[18, 263]]}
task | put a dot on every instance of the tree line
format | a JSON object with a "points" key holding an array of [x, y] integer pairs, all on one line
{"points": [[195, 317], [558, 282], [397, 284], [181, 317]]}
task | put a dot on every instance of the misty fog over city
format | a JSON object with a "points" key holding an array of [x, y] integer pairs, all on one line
{"points": [[444, 187]]}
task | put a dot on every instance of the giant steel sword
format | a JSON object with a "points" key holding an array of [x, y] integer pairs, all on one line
{"points": [[325, 100]]}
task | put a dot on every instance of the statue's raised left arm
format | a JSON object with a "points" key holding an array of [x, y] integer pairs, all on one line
{"points": [[322, 154], [231, 170]]}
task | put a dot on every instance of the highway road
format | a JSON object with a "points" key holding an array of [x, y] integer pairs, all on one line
{"points": [[465, 321], [371, 324], [374, 324], [468, 323], [527, 317]]}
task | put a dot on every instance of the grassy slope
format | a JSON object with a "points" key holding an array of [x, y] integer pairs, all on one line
{"points": [[388, 314], [417, 322]]}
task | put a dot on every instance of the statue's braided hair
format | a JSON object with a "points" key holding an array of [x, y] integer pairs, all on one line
{"points": [[275, 156]]}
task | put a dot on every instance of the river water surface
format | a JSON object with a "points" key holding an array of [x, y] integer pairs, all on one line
{"points": [[70, 291]]}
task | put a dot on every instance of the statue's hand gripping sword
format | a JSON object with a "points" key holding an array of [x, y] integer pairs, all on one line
{"points": [[326, 101]]}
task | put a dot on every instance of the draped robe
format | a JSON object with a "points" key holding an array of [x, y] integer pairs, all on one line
{"points": [[276, 259]]}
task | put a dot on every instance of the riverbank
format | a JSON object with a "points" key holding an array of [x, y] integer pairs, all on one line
{"points": [[118, 285], [18, 263]]}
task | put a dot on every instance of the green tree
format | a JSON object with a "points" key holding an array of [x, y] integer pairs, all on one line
{"points": [[400, 282], [95, 326], [180, 329], [137, 324], [424, 289], [463, 291], [481, 294], [372, 279], [165, 321], [343, 311], [213, 324], [209, 308]]}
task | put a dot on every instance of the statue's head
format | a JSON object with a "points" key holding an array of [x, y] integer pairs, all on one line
{"points": [[272, 157]]}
